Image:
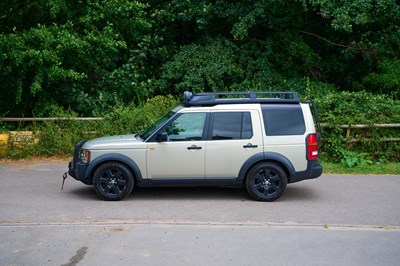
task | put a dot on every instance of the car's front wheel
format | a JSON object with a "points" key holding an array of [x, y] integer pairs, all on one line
{"points": [[113, 181], [266, 181]]}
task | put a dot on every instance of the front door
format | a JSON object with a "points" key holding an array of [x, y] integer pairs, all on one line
{"points": [[182, 155]]}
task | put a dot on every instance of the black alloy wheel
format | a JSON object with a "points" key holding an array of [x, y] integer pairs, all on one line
{"points": [[113, 181], [266, 181]]}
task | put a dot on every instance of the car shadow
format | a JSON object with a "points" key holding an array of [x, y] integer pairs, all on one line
{"points": [[190, 193], [84, 192], [296, 193], [197, 193]]}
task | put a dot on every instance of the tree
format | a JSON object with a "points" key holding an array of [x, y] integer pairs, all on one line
{"points": [[57, 53], [92, 54]]}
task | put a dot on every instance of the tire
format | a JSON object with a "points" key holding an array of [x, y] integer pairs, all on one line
{"points": [[266, 181], [113, 181]]}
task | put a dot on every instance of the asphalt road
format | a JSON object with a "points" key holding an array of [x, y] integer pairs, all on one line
{"points": [[332, 220]]}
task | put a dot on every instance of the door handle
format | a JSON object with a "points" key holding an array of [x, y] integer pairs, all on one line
{"points": [[249, 145], [194, 147]]}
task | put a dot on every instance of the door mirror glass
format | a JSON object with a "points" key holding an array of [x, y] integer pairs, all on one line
{"points": [[161, 137]]}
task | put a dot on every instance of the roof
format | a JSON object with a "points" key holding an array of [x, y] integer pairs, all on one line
{"points": [[239, 97]]}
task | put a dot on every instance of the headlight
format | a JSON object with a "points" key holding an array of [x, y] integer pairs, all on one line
{"points": [[84, 156]]}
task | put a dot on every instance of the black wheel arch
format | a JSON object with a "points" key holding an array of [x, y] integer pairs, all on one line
{"points": [[274, 157], [113, 157]]}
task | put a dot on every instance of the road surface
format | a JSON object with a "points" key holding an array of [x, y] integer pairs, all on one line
{"points": [[332, 220]]}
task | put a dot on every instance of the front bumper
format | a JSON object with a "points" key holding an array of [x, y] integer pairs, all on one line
{"points": [[76, 168]]}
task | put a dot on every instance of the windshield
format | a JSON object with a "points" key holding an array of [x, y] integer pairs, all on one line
{"points": [[148, 132]]}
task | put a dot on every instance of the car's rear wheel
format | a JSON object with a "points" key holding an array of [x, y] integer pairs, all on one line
{"points": [[266, 181], [113, 181]]}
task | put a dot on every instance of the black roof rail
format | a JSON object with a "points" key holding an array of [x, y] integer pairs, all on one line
{"points": [[214, 98]]}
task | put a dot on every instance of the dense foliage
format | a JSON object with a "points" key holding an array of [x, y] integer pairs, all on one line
{"points": [[93, 56], [363, 145], [89, 55]]}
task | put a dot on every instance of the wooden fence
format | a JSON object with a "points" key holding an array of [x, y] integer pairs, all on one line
{"points": [[348, 129]]}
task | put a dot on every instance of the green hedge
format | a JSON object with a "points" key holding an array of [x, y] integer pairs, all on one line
{"points": [[57, 138], [350, 108]]}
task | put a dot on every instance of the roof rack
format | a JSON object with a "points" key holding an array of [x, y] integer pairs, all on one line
{"points": [[214, 98]]}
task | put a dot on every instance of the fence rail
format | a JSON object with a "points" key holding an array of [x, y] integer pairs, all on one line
{"points": [[360, 126]]}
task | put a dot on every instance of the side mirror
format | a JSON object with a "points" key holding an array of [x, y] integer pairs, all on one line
{"points": [[161, 137]]}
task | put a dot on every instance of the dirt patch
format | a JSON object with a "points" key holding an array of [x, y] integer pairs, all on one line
{"points": [[36, 160], [116, 229]]}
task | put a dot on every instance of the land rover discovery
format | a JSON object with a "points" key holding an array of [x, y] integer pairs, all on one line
{"points": [[258, 140]]}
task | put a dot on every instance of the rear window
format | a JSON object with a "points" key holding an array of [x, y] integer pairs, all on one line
{"points": [[283, 119], [231, 125]]}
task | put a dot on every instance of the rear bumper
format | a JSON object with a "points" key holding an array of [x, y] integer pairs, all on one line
{"points": [[314, 170]]}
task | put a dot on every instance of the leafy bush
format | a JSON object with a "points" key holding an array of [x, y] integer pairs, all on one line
{"points": [[362, 147], [358, 108], [350, 108], [58, 137], [351, 159], [134, 119]]}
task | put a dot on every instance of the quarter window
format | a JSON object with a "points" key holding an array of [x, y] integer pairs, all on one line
{"points": [[231, 125], [282, 120]]}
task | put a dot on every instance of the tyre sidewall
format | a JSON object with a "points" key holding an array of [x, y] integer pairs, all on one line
{"points": [[251, 176], [127, 174]]}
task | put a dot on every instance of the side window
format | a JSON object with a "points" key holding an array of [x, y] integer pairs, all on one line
{"points": [[187, 127], [231, 125], [283, 119]]}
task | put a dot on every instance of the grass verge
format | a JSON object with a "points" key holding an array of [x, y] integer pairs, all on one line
{"points": [[376, 169]]}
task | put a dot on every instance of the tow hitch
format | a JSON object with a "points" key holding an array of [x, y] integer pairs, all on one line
{"points": [[64, 177]]}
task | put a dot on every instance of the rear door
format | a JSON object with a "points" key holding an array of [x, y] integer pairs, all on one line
{"points": [[233, 137]]}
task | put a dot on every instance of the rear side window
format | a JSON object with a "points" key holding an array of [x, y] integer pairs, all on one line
{"points": [[283, 119], [231, 125]]}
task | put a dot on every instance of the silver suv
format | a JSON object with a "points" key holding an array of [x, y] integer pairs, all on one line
{"points": [[257, 140]]}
